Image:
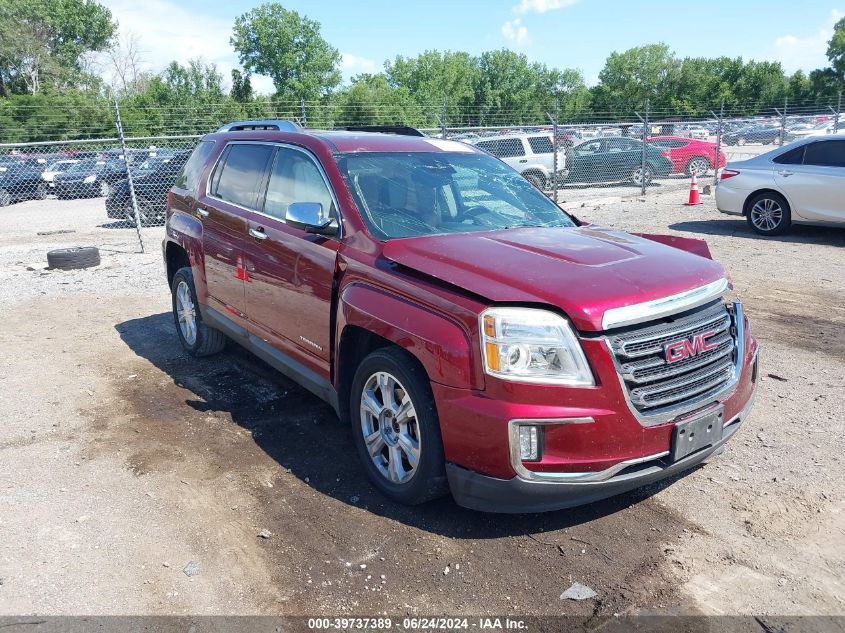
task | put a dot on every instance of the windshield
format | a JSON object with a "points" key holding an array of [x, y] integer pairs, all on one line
{"points": [[422, 193], [90, 164]]}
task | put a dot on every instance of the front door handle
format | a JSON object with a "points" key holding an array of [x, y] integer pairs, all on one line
{"points": [[785, 173], [202, 213], [258, 233]]}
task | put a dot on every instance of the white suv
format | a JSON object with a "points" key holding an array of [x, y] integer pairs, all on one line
{"points": [[532, 155]]}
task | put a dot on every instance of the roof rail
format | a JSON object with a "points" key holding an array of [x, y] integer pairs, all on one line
{"points": [[402, 130], [261, 124]]}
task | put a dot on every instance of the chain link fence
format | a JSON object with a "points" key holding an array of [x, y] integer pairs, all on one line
{"points": [[117, 187]]}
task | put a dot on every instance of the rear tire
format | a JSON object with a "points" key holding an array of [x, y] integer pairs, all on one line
{"points": [[535, 179], [699, 164], [196, 337], [391, 404], [769, 214]]}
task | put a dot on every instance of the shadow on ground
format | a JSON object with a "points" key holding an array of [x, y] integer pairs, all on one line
{"points": [[303, 435], [738, 227]]}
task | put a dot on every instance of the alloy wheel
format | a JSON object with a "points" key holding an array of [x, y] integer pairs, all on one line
{"points": [[186, 313], [5, 198], [766, 215], [104, 189], [698, 166], [390, 427]]}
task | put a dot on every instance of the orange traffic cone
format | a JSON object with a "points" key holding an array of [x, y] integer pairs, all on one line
{"points": [[694, 199]]}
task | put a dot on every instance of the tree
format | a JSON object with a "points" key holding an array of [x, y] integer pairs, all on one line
{"points": [[241, 87], [275, 41], [371, 100], [127, 65], [43, 42], [640, 74], [836, 48]]}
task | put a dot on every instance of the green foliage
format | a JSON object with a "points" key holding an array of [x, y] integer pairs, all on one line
{"points": [[836, 49], [42, 43], [271, 40]]}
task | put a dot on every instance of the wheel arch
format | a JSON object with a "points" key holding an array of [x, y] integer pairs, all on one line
{"points": [[370, 318], [747, 204]]}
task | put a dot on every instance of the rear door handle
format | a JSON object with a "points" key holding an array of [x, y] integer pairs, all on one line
{"points": [[202, 213], [258, 233]]}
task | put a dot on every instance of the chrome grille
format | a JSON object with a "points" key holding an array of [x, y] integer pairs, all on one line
{"points": [[652, 382]]}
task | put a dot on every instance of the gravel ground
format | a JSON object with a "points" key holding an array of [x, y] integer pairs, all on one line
{"points": [[137, 481]]}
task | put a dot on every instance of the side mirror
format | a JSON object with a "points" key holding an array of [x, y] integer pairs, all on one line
{"points": [[310, 217]]}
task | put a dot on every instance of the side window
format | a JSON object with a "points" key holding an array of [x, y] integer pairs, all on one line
{"points": [[540, 144], [593, 147], [825, 154], [792, 157], [190, 176], [295, 178], [510, 147], [488, 146], [238, 178], [674, 144]]}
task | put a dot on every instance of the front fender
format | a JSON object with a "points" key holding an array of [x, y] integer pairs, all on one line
{"points": [[440, 344]]}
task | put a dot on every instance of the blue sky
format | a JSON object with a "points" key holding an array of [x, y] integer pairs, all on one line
{"points": [[562, 33]]}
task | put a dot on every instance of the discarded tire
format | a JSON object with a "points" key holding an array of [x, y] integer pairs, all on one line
{"points": [[74, 258]]}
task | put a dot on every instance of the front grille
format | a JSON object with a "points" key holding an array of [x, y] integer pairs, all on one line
{"points": [[654, 384]]}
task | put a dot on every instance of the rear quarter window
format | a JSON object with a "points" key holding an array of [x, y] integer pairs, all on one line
{"points": [[540, 144], [189, 177]]}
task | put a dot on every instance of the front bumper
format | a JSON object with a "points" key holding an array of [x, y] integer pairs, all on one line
{"points": [[519, 495]]}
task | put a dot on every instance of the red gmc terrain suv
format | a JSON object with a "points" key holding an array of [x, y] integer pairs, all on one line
{"points": [[478, 338]]}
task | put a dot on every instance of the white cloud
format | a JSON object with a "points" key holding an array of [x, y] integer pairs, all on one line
{"points": [[515, 32], [352, 65], [805, 53], [541, 6]]}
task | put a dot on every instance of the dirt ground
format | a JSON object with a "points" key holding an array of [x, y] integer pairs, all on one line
{"points": [[136, 480]]}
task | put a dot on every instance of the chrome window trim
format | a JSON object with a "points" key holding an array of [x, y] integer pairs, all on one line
{"points": [[657, 308], [724, 391], [276, 144]]}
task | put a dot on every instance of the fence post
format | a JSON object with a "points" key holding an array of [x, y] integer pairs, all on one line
{"points": [[783, 122], [644, 163], [836, 114], [302, 109], [132, 197], [554, 156], [443, 120], [719, 119]]}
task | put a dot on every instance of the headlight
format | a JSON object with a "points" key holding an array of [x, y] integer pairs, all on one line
{"points": [[531, 345], [89, 179]]}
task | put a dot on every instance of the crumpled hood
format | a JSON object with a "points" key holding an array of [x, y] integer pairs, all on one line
{"points": [[583, 271]]}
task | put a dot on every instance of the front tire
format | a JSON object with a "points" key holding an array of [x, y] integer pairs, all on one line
{"points": [[196, 337], [769, 214], [396, 429], [641, 175]]}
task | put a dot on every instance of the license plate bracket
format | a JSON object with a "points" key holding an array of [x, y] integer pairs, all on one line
{"points": [[690, 436]]}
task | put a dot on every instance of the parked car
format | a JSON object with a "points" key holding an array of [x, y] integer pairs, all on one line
{"points": [[20, 179], [532, 155], [56, 167], [476, 337], [151, 180], [754, 134], [617, 160], [807, 130], [694, 131], [689, 156], [84, 179], [800, 183]]}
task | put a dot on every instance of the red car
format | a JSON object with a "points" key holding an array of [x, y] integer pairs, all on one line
{"points": [[476, 338], [689, 155]]}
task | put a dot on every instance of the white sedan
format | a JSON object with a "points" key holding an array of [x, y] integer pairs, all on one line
{"points": [[801, 183]]}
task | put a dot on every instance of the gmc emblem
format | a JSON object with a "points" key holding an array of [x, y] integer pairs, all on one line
{"points": [[689, 347]]}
